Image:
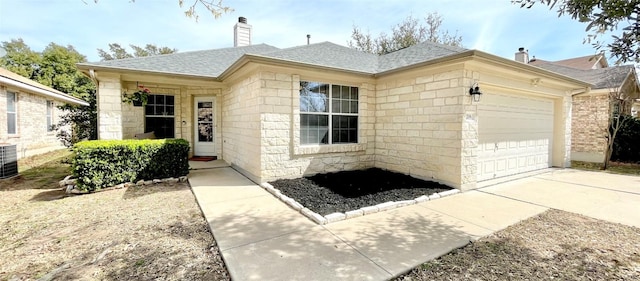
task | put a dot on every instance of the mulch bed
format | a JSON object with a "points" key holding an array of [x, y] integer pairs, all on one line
{"points": [[352, 190]]}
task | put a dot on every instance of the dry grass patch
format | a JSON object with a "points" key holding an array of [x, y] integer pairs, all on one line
{"points": [[614, 167], [555, 245], [141, 233]]}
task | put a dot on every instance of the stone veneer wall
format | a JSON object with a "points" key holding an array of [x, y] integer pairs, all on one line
{"points": [[241, 125], [282, 155], [419, 128], [32, 136], [588, 123], [110, 108]]}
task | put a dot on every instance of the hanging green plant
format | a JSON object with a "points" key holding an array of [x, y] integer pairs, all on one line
{"points": [[137, 98]]}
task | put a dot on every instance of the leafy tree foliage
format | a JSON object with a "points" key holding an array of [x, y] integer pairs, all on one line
{"points": [[20, 58], [603, 16], [405, 34], [56, 67], [116, 51]]}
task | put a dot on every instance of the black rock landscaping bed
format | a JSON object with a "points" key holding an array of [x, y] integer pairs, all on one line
{"points": [[351, 190]]}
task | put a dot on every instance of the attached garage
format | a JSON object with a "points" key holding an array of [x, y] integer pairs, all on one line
{"points": [[515, 135]]}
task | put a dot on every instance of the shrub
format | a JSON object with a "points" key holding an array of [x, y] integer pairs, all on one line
{"points": [[626, 147], [103, 163]]}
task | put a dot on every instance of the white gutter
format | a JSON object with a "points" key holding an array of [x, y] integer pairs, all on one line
{"points": [[581, 91], [59, 96]]}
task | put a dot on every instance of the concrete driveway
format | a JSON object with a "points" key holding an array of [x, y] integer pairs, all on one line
{"points": [[610, 197], [261, 238]]}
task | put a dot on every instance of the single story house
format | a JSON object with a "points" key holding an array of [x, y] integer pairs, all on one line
{"points": [[282, 113], [30, 109], [591, 110]]}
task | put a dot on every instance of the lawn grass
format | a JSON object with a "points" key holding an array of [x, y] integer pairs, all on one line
{"points": [[40, 171], [153, 232], [614, 167]]}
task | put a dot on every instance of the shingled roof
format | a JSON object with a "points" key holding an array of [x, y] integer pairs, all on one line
{"points": [[212, 63], [207, 63], [601, 78]]}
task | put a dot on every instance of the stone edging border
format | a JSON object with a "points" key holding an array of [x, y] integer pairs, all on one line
{"points": [[334, 217], [68, 184]]}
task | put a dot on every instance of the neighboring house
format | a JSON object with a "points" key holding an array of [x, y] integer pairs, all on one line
{"points": [[29, 110], [591, 111], [282, 113]]}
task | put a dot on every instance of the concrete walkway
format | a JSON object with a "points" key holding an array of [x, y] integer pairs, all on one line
{"points": [[261, 238]]}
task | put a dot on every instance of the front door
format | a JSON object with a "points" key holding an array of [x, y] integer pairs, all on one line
{"points": [[204, 122]]}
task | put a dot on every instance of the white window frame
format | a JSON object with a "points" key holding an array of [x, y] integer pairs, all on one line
{"points": [[164, 115], [50, 105], [330, 113], [14, 112]]}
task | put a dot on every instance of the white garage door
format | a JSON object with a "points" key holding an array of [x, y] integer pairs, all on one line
{"points": [[515, 135]]}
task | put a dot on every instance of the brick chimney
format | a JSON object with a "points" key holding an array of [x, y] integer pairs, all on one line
{"points": [[241, 33], [522, 55]]}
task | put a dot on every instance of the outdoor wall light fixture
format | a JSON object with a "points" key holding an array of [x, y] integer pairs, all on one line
{"points": [[474, 92]]}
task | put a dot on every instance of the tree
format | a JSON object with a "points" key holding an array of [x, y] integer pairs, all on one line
{"points": [[619, 109], [116, 51], [603, 16], [56, 67], [215, 7], [20, 58], [405, 34]]}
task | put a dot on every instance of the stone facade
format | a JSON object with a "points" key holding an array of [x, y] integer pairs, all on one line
{"points": [[588, 123], [281, 152], [32, 136], [109, 100], [420, 122]]}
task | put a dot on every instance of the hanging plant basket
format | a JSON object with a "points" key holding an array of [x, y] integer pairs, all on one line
{"points": [[137, 98]]}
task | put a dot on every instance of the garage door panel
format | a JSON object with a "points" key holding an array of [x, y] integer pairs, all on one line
{"points": [[514, 134]]}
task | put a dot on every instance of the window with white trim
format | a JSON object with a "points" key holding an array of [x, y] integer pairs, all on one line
{"points": [[49, 116], [12, 113], [328, 113], [159, 116]]}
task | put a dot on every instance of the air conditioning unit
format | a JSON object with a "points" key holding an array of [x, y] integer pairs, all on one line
{"points": [[8, 161]]}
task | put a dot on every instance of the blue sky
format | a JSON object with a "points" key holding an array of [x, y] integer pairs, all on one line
{"points": [[494, 26]]}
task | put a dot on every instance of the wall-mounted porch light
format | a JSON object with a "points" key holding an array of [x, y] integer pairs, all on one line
{"points": [[474, 92]]}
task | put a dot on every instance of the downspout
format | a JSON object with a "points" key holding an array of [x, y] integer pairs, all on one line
{"points": [[93, 76]]}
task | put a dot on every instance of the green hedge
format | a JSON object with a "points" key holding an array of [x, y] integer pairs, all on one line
{"points": [[104, 163], [626, 146]]}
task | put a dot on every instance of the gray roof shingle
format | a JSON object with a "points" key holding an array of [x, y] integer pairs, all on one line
{"points": [[601, 78], [415, 54], [207, 63], [212, 63], [328, 54]]}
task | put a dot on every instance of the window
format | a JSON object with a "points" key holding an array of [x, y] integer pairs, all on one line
{"points": [[12, 113], [159, 117], [328, 113], [49, 116]]}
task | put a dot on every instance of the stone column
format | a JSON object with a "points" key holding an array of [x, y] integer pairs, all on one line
{"points": [[109, 99], [562, 132]]}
